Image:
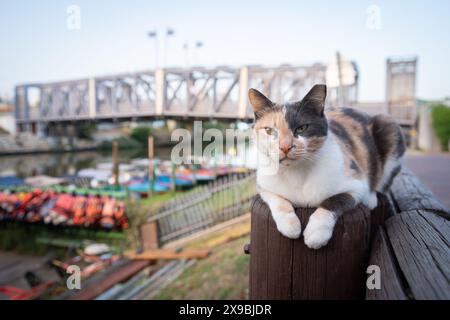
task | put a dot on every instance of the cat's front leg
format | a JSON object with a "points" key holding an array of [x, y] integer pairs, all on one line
{"points": [[321, 223], [283, 214]]}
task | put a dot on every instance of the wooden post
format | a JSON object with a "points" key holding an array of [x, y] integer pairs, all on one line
{"points": [[281, 268], [173, 177], [115, 164], [194, 173], [151, 168], [149, 236]]}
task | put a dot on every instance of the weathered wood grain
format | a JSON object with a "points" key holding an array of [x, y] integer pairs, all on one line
{"points": [[383, 211], [409, 193], [281, 268], [259, 241], [391, 284], [423, 252]]}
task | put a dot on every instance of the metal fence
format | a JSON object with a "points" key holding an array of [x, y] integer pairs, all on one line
{"points": [[205, 206]]}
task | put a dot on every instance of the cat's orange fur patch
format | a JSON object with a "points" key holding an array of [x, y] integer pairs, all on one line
{"points": [[284, 206]]}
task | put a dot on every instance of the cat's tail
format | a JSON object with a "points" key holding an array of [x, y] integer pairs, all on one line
{"points": [[391, 147]]}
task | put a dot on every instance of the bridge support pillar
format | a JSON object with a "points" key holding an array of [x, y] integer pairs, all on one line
{"points": [[160, 93], [92, 98], [243, 91]]}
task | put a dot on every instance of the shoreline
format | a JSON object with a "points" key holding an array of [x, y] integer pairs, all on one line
{"points": [[48, 151], [56, 151]]}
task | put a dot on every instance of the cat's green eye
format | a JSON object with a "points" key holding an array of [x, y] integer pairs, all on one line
{"points": [[301, 129], [269, 131]]}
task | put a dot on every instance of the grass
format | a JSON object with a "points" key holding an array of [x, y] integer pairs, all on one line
{"points": [[223, 275], [157, 200], [38, 239]]}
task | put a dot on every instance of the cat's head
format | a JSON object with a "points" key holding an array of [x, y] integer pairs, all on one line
{"points": [[292, 132]]}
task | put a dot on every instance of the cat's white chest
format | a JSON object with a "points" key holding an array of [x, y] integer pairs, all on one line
{"points": [[302, 189], [309, 186]]}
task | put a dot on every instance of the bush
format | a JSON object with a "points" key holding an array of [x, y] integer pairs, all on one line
{"points": [[87, 131], [123, 143], [441, 123], [140, 134]]}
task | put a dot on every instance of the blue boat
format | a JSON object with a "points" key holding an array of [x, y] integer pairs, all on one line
{"points": [[162, 183], [143, 187], [180, 180], [10, 181]]}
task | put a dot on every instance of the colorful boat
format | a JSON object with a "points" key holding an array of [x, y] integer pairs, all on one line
{"points": [[10, 181], [63, 209], [204, 175]]}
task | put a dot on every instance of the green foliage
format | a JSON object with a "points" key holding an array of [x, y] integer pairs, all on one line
{"points": [[222, 126], [137, 214], [140, 134], [87, 130], [123, 142], [441, 123], [39, 239]]}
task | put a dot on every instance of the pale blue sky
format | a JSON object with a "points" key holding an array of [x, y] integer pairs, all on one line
{"points": [[36, 45]]}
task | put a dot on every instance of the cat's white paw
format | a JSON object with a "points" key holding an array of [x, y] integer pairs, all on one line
{"points": [[288, 224], [319, 229], [373, 201]]}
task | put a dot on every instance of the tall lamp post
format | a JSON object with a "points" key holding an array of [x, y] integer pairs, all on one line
{"points": [[154, 35], [169, 32], [186, 53], [198, 45]]}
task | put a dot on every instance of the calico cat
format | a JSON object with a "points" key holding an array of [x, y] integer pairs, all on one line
{"points": [[330, 159]]}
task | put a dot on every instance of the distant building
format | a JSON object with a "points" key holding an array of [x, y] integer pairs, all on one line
{"points": [[7, 119], [401, 89]]}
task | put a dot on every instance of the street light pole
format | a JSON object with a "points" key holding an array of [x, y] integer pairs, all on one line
{"points": [[153, 34], [169, 32], [186, 53], [198, 45]]}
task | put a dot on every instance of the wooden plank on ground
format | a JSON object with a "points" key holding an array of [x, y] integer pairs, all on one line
{"points": [[109, 280], [207, 238], [228, 235], [168, 254], [420, 241]]}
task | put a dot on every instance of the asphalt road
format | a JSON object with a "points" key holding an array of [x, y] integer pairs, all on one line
{"points": [[434, 171]]}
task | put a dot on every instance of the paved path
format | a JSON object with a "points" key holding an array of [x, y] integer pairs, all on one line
{"points": [[434, 171]]}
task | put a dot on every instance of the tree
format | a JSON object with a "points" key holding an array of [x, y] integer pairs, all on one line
{"points": [[140, 134], [441, 123]]}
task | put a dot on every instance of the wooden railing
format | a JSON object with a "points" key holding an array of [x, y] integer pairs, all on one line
{"points": [[407, 237], [203, 207]]}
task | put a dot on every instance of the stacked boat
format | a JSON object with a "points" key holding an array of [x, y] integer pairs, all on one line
{"points": [[63, 209], [134, 176]]}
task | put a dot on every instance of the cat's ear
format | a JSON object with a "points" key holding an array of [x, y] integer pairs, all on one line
{"points": [[315, 98], [258, 101]]}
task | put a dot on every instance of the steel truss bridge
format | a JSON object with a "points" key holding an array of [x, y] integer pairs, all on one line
{"points": [[193, 93]]}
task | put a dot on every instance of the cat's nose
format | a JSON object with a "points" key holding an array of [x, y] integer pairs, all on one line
{"points": [[285, 148]]}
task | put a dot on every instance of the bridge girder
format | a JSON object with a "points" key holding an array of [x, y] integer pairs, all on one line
{"points": [[214, 93]]}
